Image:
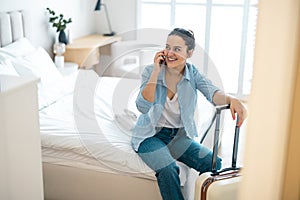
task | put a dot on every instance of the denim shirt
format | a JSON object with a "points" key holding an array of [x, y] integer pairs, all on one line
{"points": [[187, 100]]}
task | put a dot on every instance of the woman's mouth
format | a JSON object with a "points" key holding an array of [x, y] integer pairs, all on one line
{"points": [[171, 59]]}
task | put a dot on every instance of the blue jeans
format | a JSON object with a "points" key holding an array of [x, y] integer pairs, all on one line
{"points": [[162, 150]]}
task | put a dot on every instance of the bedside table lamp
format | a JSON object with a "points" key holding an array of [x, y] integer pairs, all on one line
{"points": [[59, 50], [98, 8]]}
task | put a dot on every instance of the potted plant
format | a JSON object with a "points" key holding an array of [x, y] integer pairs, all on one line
{"points": [[60, 23]]}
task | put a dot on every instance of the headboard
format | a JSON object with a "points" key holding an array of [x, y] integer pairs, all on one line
{"points": [[12, 27]]}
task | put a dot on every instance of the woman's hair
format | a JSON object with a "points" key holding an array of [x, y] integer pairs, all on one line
{"points": [[186, 35]]}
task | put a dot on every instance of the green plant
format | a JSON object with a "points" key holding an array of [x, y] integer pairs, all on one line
{"points": [[58, 21]]}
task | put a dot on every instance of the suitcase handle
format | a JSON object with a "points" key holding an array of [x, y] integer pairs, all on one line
{"points": [[216, 141], [218, 110], [234, 153]]}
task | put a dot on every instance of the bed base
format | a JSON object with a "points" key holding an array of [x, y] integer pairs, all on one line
{"points": [[69, 183]]}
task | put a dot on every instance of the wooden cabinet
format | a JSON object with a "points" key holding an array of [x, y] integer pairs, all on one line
{"points": [[20, 145], [85, 51]]}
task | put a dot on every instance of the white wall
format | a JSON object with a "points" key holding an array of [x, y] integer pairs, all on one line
{"points": [[41, 33], [85, 19], [122, 15], [81, 12]]}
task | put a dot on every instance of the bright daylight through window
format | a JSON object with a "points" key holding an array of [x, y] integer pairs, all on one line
{"points": [[225, 29]]}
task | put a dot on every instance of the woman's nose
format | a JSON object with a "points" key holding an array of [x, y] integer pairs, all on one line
{"points": [[169, 52]]}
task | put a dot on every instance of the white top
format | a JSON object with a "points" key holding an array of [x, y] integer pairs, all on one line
{"points": [[171, 114]]}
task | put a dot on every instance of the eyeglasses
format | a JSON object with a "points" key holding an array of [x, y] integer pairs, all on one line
{"points": [[186, 32]]}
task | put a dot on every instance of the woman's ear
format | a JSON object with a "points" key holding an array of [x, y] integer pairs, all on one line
{"points": [[190, 53]]}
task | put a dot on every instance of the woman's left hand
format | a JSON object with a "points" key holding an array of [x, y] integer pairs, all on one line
{"points": [[237, 107]]}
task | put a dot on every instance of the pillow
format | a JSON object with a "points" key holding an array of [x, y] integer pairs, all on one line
{"points": [[20, 47], [42, 65], [30, 61], [6, 67], [39, 64]]}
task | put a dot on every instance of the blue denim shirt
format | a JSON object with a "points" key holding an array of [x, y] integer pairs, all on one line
{"points": [[187, 99]]}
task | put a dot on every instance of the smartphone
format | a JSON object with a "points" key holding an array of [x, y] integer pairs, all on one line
{"points": [[163, 62]]}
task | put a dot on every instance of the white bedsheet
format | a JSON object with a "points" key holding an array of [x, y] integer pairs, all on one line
{"points": [[91, 128]]}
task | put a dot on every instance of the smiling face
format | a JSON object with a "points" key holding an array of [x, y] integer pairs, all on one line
{"points": [[176, 52]]}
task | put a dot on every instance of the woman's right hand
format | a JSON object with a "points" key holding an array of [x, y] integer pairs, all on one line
{"points": [[158, 59]]}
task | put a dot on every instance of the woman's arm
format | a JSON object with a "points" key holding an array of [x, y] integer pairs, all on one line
{"points": [[150, 88], [220, 98]]}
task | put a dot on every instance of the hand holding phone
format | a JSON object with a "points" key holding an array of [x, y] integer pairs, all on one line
{"points": [[159, 61], [163, 61]]}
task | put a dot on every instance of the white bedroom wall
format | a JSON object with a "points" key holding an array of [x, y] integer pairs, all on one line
{"points": [[122, 15], [38, 30], [85, 20], [81, 12], [41, 33]]}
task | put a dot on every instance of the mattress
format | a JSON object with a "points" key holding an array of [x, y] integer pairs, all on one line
{"points": [[90, 128]]}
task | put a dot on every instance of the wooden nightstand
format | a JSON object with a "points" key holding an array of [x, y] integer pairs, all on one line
{"points": [[85, 51]]}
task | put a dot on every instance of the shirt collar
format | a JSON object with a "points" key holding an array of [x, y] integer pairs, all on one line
{"points": [[186, 74]]}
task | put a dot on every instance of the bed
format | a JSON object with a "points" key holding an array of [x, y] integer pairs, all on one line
{"points": [[85, 123]]}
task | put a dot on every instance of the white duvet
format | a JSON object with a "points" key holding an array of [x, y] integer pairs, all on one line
{"points": [[93, 126]]}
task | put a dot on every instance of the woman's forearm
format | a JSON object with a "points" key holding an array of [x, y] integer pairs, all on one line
{"points": [[149, 90], [220, 98]]}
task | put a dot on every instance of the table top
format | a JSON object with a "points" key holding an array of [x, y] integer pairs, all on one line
{"points": [[92, 41]]}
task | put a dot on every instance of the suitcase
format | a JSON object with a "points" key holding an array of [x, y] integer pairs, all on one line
{"points": [[220, 184]]}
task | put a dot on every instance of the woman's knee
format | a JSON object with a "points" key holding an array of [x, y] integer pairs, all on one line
{"points": [[171, 170], [206, 164]]}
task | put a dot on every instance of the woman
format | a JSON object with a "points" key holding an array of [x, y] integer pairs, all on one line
{"points": [[167, 100]]}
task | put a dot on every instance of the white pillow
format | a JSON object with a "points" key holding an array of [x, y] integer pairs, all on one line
{"points": [[20, 47], [30, 61], [6, 67], [42, 65], [39, 64], [17, 49]]}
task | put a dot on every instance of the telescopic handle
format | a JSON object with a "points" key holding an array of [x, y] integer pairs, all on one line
{"points": [[217, 138], [235, 143]]}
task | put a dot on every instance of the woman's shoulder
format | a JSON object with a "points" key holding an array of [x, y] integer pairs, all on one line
{"points": [[193, 69]]}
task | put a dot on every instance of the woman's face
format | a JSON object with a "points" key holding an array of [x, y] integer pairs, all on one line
{"points": [[176, 52]]}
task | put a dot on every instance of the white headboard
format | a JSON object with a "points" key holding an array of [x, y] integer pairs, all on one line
{"points": [[12, 27]]}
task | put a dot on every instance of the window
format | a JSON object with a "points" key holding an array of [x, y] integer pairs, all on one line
{"points": [[224, 29]]}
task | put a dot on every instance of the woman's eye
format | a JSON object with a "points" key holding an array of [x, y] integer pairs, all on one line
{"points": [[168, 48], [177, 49]]}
